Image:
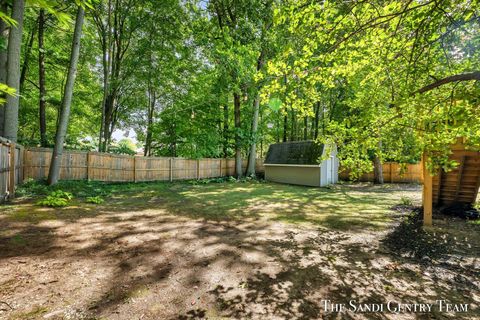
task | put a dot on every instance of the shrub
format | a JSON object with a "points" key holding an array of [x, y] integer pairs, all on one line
{"points": [[95, 200], [56, 198]]}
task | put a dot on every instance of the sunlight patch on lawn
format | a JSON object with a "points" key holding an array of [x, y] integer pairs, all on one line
{"points": [[340, 207]]}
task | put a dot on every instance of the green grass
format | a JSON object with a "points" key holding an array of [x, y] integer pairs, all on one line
{"points": [[339, 207]]}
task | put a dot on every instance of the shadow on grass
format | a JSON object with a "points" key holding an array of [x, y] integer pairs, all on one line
{"points": [[330, 266], [217, 202], [177, 235]]}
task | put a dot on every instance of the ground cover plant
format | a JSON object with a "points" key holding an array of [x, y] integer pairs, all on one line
{"points": [[234, 249]]}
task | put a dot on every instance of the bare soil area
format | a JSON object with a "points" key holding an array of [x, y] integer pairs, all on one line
{"points": [[170, 252]]}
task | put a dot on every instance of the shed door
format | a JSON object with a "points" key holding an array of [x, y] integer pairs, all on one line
{"points": [[329, 166]]}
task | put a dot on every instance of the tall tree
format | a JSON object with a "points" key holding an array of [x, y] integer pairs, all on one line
{"points": [[378, 166], [41, 80], [238, 138], [226, 133], [379, 57], [3, 62], [252, 157], [13, 71], [54, 172], [27, 54], [152, 100], [117, 22]]}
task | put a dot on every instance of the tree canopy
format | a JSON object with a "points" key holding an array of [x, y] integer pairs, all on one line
{"points": [[385, 80]]}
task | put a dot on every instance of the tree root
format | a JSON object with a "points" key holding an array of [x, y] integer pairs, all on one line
{"points": [[5, 303]]}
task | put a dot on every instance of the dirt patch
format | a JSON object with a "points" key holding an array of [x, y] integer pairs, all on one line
{"points": [[141, 257]]}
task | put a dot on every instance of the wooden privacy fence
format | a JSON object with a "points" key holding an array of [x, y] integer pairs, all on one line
{"points": [[83, 165], [11, 165], [34, 163], [392, 173]]}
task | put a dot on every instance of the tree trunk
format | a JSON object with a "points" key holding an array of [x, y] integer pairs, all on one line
{"points": [[378, 166], [66, 101], [41, 80], [104, 32], [225, 131], [238, 151], [317, 115], [293, 127], [252, 156], [305, 128], [105, 55], [148, 137], [13, 71], [285, 128], [277, 129], [253, 146], [26, 58], [115, 37], [173, 144], [107, 125], [3, 63]]}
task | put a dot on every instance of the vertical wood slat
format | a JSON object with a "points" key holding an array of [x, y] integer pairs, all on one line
{"points": [[477, 187], [134, 169], [89, 169], [11, 182], [11, 168], [427, 195], [4, 172], [24, 163], [198, 169], [439, 187], [391, 172], [459, 177]]}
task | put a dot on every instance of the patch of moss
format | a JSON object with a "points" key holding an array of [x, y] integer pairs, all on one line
{"points": [[35, 313]]}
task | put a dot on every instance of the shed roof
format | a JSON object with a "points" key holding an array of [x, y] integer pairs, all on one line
{"points": [[295, 152]]}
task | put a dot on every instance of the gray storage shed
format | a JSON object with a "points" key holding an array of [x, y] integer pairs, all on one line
{"points": [[299, 162]]}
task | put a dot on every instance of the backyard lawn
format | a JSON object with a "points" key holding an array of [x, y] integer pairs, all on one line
{"points": [[230, 249]]}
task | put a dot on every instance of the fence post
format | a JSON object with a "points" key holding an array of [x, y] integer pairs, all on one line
{"points": [[220, 175], [135, 169], [171, 170], [24, 164], [88, 166], [11, 182], [391, 173], [427, 194], [21, 162], [198, 169]]}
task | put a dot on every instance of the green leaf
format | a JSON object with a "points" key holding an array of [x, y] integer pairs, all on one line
{"points": [[275, 104]]}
